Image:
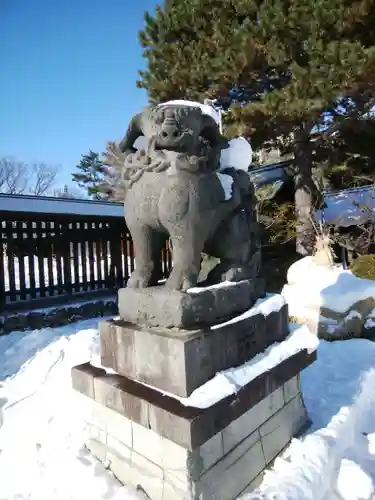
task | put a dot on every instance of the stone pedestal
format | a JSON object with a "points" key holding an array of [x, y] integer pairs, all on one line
{"points": [[140, 423], [160, 306], [175, 452], [179, 361]]}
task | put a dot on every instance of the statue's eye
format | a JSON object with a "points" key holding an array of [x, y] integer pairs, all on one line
{"points": [[159, 118]]}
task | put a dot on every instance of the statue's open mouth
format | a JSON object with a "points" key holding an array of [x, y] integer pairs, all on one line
{"points": [[169, 147], [173, 144]]}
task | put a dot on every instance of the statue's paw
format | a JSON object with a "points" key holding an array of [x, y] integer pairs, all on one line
{"points": [[137, 280], [178, 281], [187, 284]]}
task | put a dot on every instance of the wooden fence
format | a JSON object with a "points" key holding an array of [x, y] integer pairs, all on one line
{"points": [[55, 249]]}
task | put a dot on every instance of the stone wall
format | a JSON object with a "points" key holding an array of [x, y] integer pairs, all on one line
{"points": [[57, 316], [356, 322]]}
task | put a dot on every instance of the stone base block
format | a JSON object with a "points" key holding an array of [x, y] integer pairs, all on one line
{"points": [[159, 306], [179, 360], [186, 426], [221, 468]]}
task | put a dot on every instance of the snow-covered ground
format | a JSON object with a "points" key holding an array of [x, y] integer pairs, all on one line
{"points": [[41, 442], [329, 298], [42, 456], [314, 286], [336, 459]]}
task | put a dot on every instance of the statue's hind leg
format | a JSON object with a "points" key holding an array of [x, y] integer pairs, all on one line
{"points": [[158, 242], [237, 244]]}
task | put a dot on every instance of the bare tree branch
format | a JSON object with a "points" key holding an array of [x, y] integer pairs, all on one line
{"points": [[17, 177], [2, 174], [13, 176], [43, 178]]}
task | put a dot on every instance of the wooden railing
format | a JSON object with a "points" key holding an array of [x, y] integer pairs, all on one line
{"points": [[53, 249]]}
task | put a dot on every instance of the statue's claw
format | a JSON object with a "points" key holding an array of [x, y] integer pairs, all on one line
{"points": [[178, 281], [138, 280]]}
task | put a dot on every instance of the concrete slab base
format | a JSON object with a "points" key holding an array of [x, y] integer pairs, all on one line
{"points": [[175, 452], [160, 306], [220, 469]]}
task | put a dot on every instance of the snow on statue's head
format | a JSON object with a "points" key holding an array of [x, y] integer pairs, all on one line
{"points": [[238, 155], [140, 143], [205, 108]]}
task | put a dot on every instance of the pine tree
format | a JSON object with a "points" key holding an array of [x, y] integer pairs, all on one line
{"points": [[286, 69], [113, 161], [201, 48], [91, 175]]}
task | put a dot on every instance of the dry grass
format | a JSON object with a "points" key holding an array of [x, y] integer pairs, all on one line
{"points": [[323, 252]]}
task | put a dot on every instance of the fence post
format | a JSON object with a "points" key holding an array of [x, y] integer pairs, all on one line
{"points": [[2, 272], [56, 246], [116, 275], [67, 269]]}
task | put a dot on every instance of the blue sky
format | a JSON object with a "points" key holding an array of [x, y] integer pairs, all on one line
{"points": [[68, 73]]}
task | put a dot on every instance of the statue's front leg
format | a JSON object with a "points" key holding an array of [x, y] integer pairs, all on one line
{"points": [[144, 259], [188, 240], [181, 213], [186, 254]]}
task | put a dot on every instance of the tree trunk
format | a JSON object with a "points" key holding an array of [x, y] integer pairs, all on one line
{"points": [[306, 194]]}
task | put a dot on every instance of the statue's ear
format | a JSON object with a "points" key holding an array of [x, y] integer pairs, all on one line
{"points": [[133, 132], [210, 131]]}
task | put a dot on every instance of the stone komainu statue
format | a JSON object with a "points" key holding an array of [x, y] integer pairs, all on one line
{"points": [[175, 187]]}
